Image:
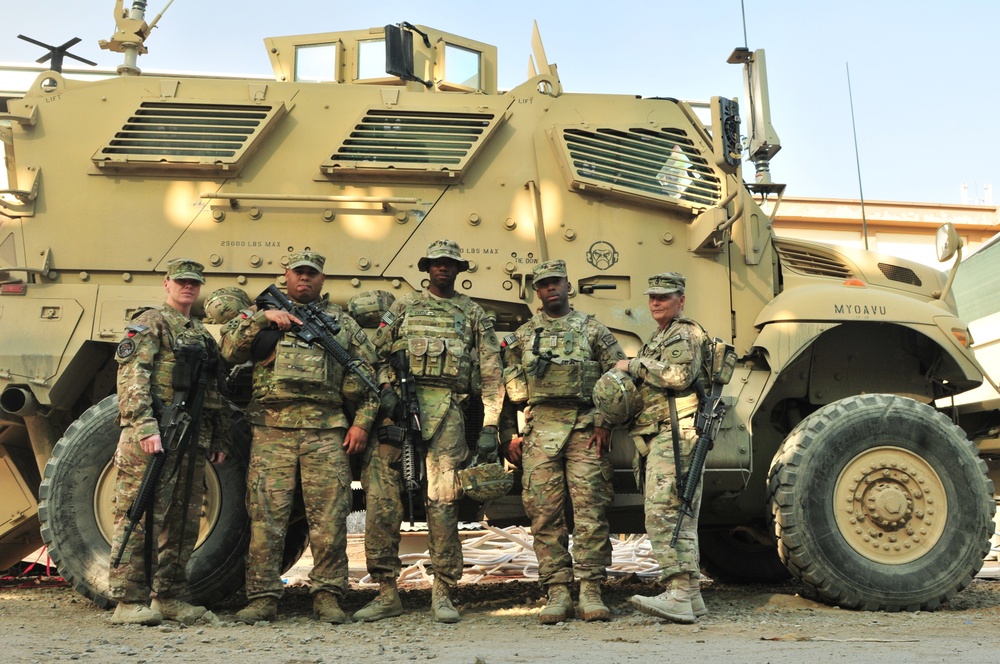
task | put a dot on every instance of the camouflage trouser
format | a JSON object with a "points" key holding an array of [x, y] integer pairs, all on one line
{"points": [[550, 477], [318, 459], [446, 453], [176, 520], [663, 502]]}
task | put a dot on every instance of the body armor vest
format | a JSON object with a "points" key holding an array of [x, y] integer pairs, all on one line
{"points": [[558, 361], [436, 333]]}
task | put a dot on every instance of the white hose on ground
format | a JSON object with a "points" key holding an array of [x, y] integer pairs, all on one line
{"points": [[508, 553]]}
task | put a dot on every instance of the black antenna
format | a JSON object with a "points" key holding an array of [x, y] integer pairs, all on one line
{"points": [[857, 159], [57, 53], [743, 9]]}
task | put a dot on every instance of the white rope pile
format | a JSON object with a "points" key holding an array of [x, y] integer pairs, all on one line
{"points": [[508, 552]]}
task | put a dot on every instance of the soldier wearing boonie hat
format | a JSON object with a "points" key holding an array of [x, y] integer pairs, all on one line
{"points": [[440, 332], [443, 249], [552, 363], [665, 283], [667, 368], [185, 268]]}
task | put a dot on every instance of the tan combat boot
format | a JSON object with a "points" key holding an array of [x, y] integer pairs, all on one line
{"points": [[591, 605], [385, 605], [559, 606], [262, 608], [444, 610], [698, 607], [135, 614], [327, 609], [674, 604], [174, 609]]}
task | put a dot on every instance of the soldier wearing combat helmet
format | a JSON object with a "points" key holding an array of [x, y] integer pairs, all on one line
{"points": [[667, 367], [559, 354], [155, 340], [439, 331], [300, 431]]}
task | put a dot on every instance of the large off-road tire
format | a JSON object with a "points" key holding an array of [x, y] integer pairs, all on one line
{"points": [[740, 555], [76, 511], [880, 503]]}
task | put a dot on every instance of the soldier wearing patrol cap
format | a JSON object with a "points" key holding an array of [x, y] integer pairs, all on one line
{"points": [[440, 331], [667, 367], [300, 431], [558, 355], [146, 359]]}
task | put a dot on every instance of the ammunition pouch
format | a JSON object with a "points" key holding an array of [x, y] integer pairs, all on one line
{"points": [[573, 381]]}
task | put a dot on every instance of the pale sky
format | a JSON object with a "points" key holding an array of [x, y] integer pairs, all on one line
{"points": [[923, 74]]}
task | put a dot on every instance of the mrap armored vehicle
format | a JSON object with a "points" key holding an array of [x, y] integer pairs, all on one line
{"points": [[831, 464]]}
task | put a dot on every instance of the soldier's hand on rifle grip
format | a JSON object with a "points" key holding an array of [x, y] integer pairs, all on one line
{"points": [[488, 445], [388, 402], [151, 444], [282, 319]]}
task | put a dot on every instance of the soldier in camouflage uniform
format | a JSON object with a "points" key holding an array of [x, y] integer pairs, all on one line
{"points": [[146, 359], [558, 355], [440, 330], [670, 360], [300, 429]]}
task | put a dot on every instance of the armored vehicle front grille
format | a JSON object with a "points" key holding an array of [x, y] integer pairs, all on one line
{"points": [[186, 135], [433, 144], [903, 275], [812, 261], [656, 165]]}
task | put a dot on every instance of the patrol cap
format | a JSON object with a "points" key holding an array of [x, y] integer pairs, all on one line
{"points": [[665, 283], [556, 268], [307, 258], [443, 249], [185, 268]]}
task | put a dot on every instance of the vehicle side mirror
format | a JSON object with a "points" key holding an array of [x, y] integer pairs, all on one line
{"points": [[947, 242], [399, 52]]}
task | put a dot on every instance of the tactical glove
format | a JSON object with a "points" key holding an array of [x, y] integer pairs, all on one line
{"points": [[488, 446], [388, 402]]}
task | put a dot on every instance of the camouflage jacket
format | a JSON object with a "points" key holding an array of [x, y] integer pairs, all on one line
{"points": [[443, 339], [300, 386], [145, 367], [670, 360], [570, 353]]}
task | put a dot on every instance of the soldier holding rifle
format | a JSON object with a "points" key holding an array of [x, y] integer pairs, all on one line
{"points": [[666, 370], [300, 430], [438, 331], [167, 362]]}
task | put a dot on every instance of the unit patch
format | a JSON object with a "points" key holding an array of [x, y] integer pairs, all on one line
{"points": [[125, 349]]}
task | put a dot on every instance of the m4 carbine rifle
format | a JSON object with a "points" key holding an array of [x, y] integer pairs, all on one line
{"points": [[407, 433], [178, 424], [317, 327]]}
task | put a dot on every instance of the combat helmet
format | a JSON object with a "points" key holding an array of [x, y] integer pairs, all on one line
{"points": [[367, 308], [485, 482], [223, 304], [616, 397]]}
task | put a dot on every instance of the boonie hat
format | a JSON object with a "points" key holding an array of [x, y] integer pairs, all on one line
{"points": [[185, 268], [665, 283], [443, 249], [556, 268], [307, 258]]}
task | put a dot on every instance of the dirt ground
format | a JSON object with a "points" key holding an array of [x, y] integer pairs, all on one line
{"points": [[42, 620]]}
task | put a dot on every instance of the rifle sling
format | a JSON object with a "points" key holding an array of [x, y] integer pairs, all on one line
{"points": [[675, 436]]}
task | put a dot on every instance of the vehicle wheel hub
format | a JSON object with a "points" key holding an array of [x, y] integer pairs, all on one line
{"points": [[890, 505]]}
